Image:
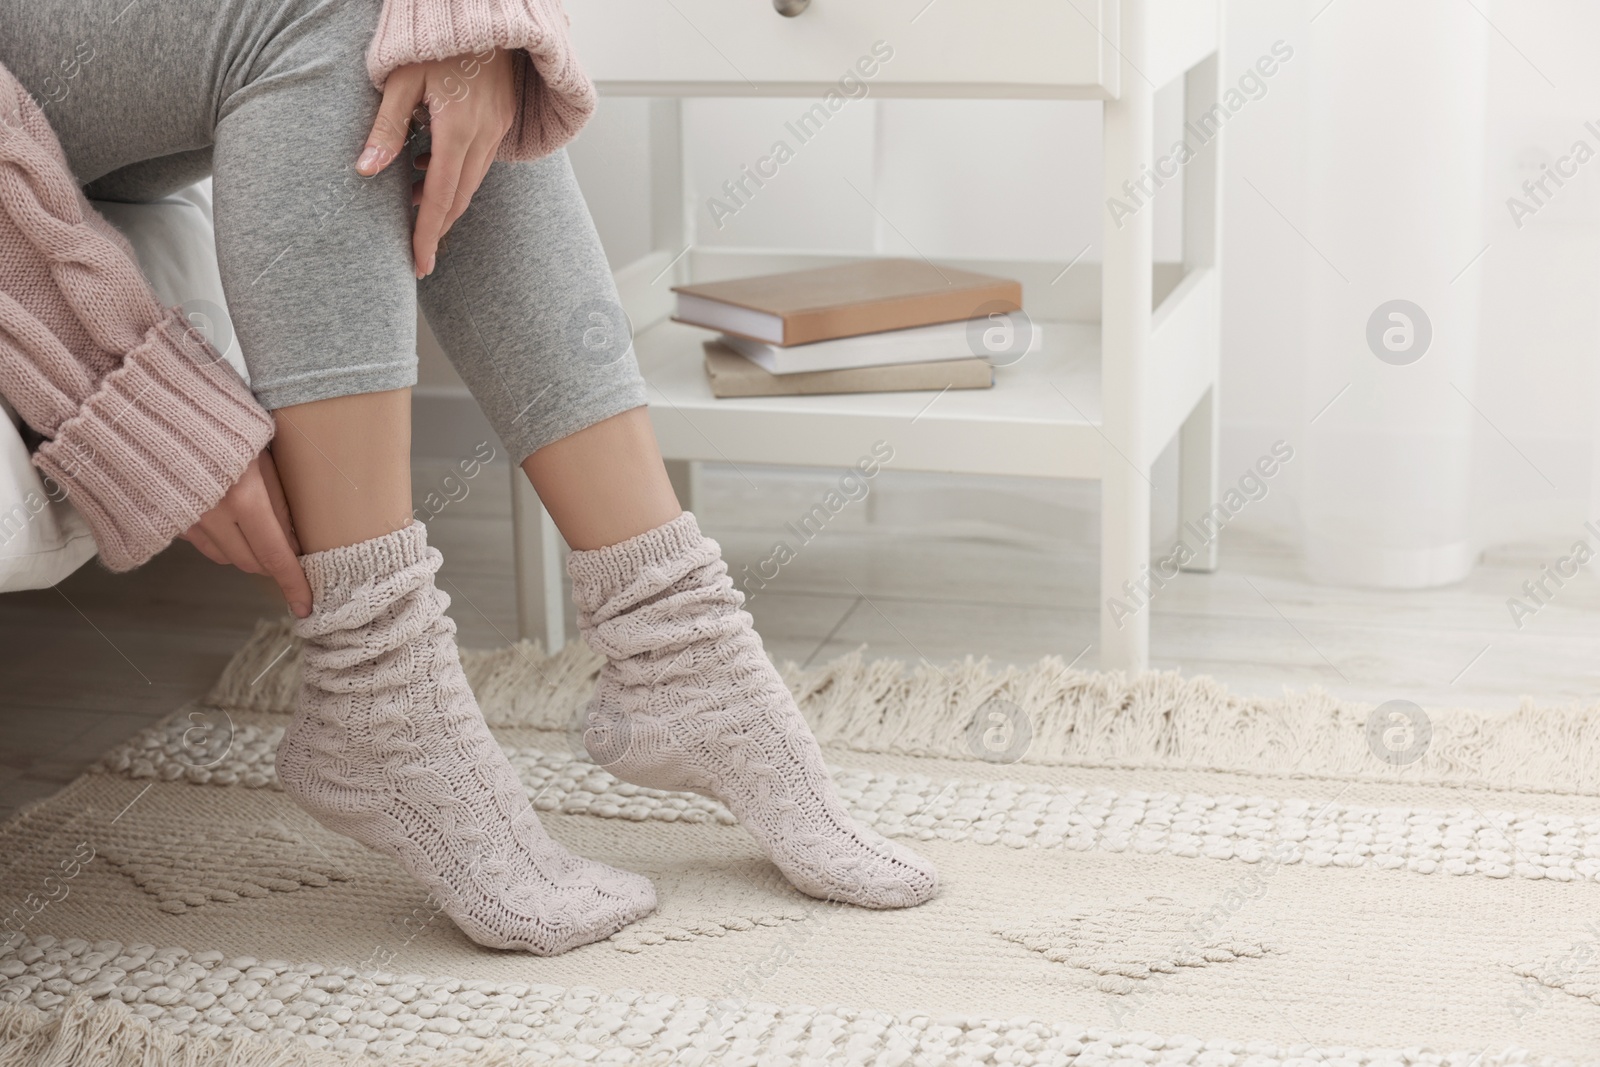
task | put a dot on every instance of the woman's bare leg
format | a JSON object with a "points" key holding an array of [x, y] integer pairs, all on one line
{"points": [[605, 483], [346, 469], [345, 464]]}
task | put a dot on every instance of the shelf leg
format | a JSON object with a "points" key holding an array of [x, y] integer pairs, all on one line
{"points": [[1197, 474], [1198, 448], [685, 477], [1125, 582], [537, 551]]}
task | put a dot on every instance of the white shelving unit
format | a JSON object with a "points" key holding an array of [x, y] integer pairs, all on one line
{"points": [[1131, 350]]}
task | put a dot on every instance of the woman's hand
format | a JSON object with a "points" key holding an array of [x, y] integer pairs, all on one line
{"points": [[250, 529], [471, 103]]}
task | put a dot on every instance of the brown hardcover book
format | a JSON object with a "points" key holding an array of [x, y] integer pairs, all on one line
{"points": [[732, 375], [869, 296]]}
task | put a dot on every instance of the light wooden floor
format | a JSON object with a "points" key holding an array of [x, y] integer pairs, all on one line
{"points": [[909, 572]]}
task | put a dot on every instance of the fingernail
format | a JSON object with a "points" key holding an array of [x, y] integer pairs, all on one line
{"points": [[429, 268], [370, 158], [300, 610]]}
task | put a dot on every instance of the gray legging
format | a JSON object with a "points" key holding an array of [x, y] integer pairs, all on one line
{"points": [[272, 98]]}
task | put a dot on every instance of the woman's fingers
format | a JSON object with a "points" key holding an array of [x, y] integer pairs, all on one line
{"points": [[400, 95], [439, 189], [251, 528], [196, 536], [225, 535], [419, 163], [280, 503], [471, 103], [268, 544], [472, 174]]}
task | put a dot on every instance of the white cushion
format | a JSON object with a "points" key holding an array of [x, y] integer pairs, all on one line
{"points": [[42, 541], [177, 251]]}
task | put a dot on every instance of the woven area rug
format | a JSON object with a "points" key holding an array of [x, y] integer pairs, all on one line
{"points": [[1144, 870]]}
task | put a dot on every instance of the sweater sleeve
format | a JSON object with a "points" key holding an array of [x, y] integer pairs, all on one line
{"points": [[147, 426], [554, 96]]}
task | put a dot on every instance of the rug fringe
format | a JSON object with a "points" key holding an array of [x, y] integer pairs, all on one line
{"points": [[1168, 721], [85, 1032], [1151, 721], [264, 674]]}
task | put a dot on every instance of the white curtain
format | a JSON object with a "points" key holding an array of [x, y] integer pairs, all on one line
{"points": [[1395, 123]]}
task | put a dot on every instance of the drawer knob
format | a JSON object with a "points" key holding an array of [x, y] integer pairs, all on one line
{"points": [[790, 8]]}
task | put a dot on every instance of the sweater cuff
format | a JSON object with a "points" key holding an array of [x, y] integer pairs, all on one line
{"points": [[158, 444], [554, 96]]}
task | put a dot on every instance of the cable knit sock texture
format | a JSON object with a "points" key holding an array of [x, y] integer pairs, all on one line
{"points": [[388, 747], [689, 700]]}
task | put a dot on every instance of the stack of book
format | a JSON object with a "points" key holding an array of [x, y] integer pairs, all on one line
{"points": [[879, 325]]}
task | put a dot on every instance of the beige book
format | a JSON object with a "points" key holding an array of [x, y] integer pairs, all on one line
{"points": [[867, 296], [732, 375]]}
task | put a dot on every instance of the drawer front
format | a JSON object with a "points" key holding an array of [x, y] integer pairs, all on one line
{"points": [[1049, 48]]}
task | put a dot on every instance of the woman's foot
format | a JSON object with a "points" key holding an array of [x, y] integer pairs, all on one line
{"points": [[687, 699], [389, 748]]}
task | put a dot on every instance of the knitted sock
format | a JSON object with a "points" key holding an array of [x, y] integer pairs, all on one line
{"points": [[388, 747], [687, 699]]}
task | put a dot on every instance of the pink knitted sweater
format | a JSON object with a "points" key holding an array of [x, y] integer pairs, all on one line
{"points": [[554, 97], [146, 425]]}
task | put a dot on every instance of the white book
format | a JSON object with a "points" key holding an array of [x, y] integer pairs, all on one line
{"points": [[999, 338], [717, 315]]}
